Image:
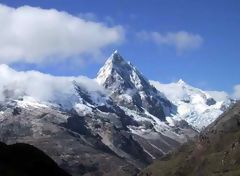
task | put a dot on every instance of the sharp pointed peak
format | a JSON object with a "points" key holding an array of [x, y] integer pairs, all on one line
{"points": [[115, 52], [115, 58], [117, 64], [115, 61]]}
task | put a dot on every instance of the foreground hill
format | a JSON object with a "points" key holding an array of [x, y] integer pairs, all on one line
{"points": [[215, 152], [25, 160]]}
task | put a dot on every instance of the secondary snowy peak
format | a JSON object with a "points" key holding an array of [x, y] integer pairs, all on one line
{"points": [[194, 105], [129, 88], [183, 92]]}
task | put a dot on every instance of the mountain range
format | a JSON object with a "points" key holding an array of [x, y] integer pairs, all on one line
{"points": [[115, 124]]}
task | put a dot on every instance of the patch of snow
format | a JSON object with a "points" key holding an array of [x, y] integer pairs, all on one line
{"points": [[153, 157], [170, 121], [27, 102], [83, 109]]}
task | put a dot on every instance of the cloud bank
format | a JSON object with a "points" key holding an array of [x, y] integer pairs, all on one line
{"points": [[36, 35], [48, 88], [42, 87], [181, 40]]}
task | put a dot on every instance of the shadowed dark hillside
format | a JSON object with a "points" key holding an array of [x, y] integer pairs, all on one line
{"points": [[26, 160], [216, 152]]}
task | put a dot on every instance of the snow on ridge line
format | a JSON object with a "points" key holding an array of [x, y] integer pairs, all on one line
{"points": [[194, 105]]}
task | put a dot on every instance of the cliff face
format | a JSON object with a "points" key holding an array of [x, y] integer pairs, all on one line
{"points": [[215, 152]]}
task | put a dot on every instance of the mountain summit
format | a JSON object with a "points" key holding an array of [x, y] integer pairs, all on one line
{"points": [[131, 89], [121, 75]]}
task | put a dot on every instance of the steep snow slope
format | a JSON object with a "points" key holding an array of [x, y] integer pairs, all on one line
{"points": [[195, 106]]}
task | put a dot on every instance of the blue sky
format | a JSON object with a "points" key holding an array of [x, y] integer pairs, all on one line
{"points": [[208, 56]]}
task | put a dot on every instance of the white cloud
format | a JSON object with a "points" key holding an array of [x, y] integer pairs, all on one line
{"points": [[43, 87], [181, 40], [34, 35], [219, 95], [236, 92]]}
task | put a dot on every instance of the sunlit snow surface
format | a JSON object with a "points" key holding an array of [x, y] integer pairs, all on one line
{"points": [[192, 103]]}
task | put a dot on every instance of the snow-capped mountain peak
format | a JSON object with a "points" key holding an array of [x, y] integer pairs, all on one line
{"points": [[116, 72], [130, 88]]}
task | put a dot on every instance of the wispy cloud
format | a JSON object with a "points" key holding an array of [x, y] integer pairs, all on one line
{"points": [[219, 95], [181, 40], [236, 92], [34, 35]]}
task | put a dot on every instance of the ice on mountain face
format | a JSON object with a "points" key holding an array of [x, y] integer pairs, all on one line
{"points": [[195, 106], [83, 109]]}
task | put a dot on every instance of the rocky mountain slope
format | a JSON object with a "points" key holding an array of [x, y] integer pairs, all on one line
{"points": [[115, 124], [63, 136], [215, 152]]}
